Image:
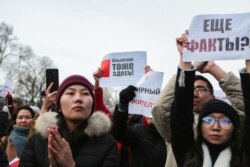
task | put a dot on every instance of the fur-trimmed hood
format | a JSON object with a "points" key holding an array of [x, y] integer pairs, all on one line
{"points": [[98, 124]]}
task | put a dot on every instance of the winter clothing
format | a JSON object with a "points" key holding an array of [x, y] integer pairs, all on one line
{"points": [[230, 84], [4, 122], [220, 106], [223, 159], [148, 149], [3, 101], [127, 94], [187, 152], [9, 98], [135, 119], [245, 84], [99, 105], [94, 148], [3, 158], [16, 142], [71, 80]]}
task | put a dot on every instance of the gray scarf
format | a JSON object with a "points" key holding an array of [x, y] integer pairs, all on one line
{"points": [[19, 136]]}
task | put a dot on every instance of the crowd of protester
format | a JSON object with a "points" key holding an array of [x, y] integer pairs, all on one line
{"points": [[189, 126]]}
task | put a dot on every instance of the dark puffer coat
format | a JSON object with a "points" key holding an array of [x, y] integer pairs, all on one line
{"points": [[97, 149], [148, 149]]}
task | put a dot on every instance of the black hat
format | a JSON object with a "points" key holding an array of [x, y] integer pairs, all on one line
{"points": [[219, 106]]}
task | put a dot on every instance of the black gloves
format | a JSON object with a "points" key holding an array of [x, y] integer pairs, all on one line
{"points": [[126, 95]]}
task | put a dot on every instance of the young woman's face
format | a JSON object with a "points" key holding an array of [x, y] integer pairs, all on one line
{"points": [[24, 118], [217, 128], [76, 103]]}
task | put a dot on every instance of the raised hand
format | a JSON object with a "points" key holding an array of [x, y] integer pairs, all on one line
{"points": [[127, 94], [48, 99], [182, 42], [97, 75]]}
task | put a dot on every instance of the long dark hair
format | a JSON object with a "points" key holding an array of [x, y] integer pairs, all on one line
{"points": [[194, 157]]}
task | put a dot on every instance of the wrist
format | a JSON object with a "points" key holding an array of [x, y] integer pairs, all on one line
{"points": [[122, 107]]}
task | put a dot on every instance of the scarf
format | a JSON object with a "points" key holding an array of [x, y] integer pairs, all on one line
{"points": [[223, 159], [19, 136]]}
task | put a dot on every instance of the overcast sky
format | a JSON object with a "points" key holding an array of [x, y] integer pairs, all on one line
{"points": [[76, 34]]}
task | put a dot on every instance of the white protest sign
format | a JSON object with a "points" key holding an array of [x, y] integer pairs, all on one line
{"points": [[6, 87], [218, 37], [122, 68], [149, 88]]}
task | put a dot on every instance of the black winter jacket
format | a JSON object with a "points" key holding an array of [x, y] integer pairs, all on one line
{"points": [[98, 149], [148, 149]]}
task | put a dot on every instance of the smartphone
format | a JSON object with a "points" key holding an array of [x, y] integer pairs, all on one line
{"points": [[52, 76]]}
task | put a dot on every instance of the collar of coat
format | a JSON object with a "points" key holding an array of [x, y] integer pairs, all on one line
{"points": [[223, 159], [98, 124]]}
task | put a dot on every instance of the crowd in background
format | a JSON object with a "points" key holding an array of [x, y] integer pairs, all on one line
{"points": [[189, 126]]}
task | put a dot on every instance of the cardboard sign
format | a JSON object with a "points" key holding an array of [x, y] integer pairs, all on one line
{"points": [[218, 37], [122, 69], [149, 88]]}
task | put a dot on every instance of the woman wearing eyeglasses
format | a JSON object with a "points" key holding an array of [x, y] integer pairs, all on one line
{"points": [[217, 143]]}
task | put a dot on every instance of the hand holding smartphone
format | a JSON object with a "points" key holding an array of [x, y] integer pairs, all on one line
{"points": [[52, 76]]}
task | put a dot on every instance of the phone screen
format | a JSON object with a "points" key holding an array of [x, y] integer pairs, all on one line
{"points": [[52, 76]]}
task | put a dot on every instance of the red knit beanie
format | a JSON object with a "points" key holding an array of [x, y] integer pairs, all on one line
{"points": [[73, 80]]}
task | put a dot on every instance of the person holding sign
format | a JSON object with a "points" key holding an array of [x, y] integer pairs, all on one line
{"points": [[217, 142], [98, 91], [148, 149], [133, 119], [228, 82]]}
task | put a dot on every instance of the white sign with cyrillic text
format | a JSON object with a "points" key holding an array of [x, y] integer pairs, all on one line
{"points": [[123, 68], [149, 88], [218, 37]]}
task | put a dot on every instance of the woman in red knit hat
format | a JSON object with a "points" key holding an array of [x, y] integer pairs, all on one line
{"points": [[73, 135]]}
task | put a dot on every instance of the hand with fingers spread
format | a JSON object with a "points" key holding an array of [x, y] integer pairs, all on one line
{"points": [[48, 99], [59, 151]]}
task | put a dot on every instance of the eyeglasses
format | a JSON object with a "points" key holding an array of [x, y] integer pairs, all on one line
{"points": [[200, 89], [225, 123]]}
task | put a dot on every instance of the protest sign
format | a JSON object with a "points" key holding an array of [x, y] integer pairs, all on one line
{"points": [[149, 88], [219, 94], [6, 88], [218, 37], [122, 68]]}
